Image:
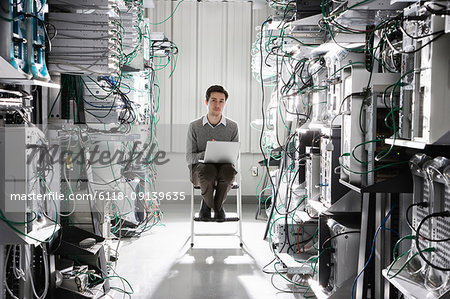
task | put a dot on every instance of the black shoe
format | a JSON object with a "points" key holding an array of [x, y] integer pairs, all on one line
{"points": [[220, 215], [205, 212]]}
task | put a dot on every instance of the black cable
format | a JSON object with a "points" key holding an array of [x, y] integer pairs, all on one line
{"points": [[277, 190], [287, 291], [439, 214], [440, 34], [310, 107], [311, 216], [286, 227], [286, 224], [429, 239], [286, 233], [423, 204], [309, 76], [44, 26], [263, 121], [294, 113], [303, 241], [128, 112], [416, 37], [285, 12], [94, 183], [276, 113], [265, 61], [287, 87], [440, 12], [366, 96], [263, 268], [289, 152], [300, 242], [338, 235], [277, 288], [110, 108]]}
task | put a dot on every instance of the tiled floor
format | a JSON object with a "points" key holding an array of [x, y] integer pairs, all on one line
{"points": [[161, 264]]}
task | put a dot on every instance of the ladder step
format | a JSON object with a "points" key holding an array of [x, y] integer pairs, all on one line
{"points": [[234, 186], [229, 217]]}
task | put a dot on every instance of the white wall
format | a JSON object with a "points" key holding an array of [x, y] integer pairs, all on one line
{"points": [[214, 41]]}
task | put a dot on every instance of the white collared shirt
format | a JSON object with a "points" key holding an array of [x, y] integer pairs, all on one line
{"points": [[222, 121]]}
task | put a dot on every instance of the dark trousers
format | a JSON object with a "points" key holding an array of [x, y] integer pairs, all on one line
{"points": [[208, 175]]}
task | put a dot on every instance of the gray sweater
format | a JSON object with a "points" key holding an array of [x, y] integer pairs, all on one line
{"points": [[198, 134]]}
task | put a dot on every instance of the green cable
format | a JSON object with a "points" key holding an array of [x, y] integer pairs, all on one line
{"points": [[387, 152], [276, 158], [373, 170], [75, 258], [159, 23], [130, 57], [331, 32], [175, 63], [341, 68], [287, 279], [271, 226], [314, 239], [120, 290], [358, 145], [6, 19], [2, 217], [289, 168], [269, 40], [430, 249], [293, 77], [265, 202], [164, 66], [299, 203], [356, 4], [384, 94], [408, 237], [279, 108], [279, 207], [393, 117], [116, 218], [10, 223], [307, 290], [112, 276], [315, 260]]}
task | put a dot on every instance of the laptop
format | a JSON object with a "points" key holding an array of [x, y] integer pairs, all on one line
{"points": [[221, 152]]}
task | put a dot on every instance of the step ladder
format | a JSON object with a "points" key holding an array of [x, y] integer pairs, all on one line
{"points": [[229, 216]]}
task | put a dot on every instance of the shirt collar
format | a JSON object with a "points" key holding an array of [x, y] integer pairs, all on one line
{"points": [[222, 121]]}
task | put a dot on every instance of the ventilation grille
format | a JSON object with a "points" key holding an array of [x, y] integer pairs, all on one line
{"points": [[441, 257], [419, 213]]}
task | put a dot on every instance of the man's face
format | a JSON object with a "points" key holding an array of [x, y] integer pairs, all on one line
{"points": [[216, 103]]}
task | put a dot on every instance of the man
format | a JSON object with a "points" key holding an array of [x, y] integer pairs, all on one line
{"points": [[214, 126]]}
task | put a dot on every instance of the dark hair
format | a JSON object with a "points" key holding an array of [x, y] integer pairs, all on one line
{"points": [[216, 88]]}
